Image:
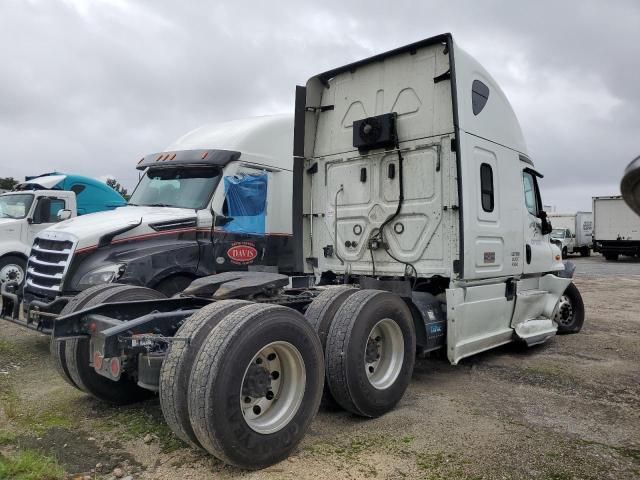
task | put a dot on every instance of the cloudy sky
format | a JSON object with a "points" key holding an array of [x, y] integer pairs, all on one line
{"points": [[91, 86]]}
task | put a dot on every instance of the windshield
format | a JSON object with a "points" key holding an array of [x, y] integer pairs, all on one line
{"points": [[557, 233], [189, 187], [15, 205]]}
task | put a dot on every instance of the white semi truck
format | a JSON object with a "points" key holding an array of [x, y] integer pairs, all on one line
{"points": [[572, 232], [616, 228], [415, 208], [39, 203]]}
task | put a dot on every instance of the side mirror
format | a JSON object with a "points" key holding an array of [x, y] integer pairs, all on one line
{"points": [[221, 220], [63, 215], [546, 224]]}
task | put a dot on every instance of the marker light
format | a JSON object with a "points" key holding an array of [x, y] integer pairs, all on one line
{"points": [[114, 366]]}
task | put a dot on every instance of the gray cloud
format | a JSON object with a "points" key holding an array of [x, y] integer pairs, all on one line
{"points": [[90, 87]]}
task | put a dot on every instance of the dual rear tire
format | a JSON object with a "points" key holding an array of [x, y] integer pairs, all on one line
{"points": [[370, 344], [244, 380]]}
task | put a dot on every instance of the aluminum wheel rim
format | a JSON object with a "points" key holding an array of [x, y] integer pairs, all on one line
{"points": [[384, 354], [564, 314], [271, 412], [11, 273]]}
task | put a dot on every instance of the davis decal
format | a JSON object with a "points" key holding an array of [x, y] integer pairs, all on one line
{"points": [[242, 253]]}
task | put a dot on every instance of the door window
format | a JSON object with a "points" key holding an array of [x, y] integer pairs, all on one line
{"points": [[47, 210], [245, 203], [530, 197]]}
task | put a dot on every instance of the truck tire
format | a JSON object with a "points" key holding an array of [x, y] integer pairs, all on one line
{"points": [[177, 365], [565, 252], [77, 354], [370, 352], [58, 348], [570, 314], [320, 314], [12, 269], [256, 385], [611, 257], [585, 252]]}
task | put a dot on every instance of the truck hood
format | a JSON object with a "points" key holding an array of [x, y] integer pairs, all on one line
{"points": [[10, 229], [130, 221]]}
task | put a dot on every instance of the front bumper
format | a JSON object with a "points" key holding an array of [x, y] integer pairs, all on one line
{"points": [[36, 315]]}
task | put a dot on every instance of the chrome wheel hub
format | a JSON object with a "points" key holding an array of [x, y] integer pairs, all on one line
{"points": [[564, 314], [11, 273], [273, 387], [384, 354]]}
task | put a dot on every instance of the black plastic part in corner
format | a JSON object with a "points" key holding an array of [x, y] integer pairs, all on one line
{"points": [[510, 289], [456, 266], [569, 269], [10, 300], [445, 76], [313, 169], [105, 239], [399, 287]]}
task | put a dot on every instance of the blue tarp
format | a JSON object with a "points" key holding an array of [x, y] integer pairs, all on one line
{"points": [[246, 201]]}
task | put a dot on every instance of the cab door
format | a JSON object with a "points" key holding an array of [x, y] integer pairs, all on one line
{"points": [[538, 254], [45, 214]]}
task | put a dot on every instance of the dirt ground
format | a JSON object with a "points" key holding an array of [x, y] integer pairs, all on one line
{"points": [[569, 409]]}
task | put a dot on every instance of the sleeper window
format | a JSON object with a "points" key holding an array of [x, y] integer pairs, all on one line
{"points": [[486, 187]]}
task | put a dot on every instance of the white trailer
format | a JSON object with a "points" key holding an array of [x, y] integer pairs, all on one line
{"points": [[616, 229], [572, 232]]}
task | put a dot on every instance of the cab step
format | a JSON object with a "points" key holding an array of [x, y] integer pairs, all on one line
{"points": [[536, 331]]}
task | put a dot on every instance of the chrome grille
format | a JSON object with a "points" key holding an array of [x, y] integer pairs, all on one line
{"points": [[48, 263]]}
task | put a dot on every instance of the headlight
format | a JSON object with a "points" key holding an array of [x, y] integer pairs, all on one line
{"points": [[106, 274]]}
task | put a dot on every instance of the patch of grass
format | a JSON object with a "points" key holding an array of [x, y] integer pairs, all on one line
{"points": [[7, 438], [28, 465], [354, 447], [34, 419], [628, 452], [7, 350], [138, 421], [440, 466], [558, 476]]}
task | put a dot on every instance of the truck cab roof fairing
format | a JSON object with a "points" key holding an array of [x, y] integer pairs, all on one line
{"points": [[496, 121], [252, 137]]}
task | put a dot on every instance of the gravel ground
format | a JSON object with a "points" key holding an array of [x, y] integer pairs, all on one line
{"points": [[568, 409], [598, 266]]}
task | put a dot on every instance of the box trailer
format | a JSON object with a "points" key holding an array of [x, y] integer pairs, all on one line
{"points": [[616, 229], [572, 232]]}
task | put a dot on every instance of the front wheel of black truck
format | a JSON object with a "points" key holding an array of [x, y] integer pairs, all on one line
{"points": [[256, 385], [58, 348], [78, 354]]}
